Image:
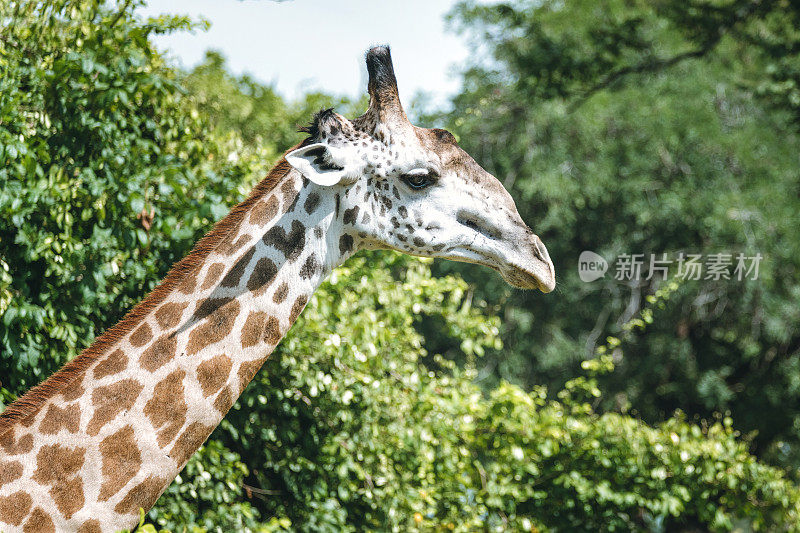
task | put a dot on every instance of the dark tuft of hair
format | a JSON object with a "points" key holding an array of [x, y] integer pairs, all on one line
{"points": [[444, 135], [316, 123]]}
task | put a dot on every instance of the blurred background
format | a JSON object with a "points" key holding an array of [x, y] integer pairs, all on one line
{"points": [[419, 395]]}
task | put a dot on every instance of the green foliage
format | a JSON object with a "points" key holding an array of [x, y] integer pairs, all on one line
{"points": [[254, 113], [345, 430], [613, 139], [575, 470], [371, 414], [335, 417], [106, 178], [208, 494]]}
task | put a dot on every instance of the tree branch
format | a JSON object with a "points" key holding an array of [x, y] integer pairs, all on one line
{"points": [[121, 12], [655, 65], [646, 66]]}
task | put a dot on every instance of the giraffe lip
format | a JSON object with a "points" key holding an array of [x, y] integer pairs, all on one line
{"points": [[524, 279], [528, 270]]}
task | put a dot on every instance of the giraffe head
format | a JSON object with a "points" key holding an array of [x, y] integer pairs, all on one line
{"points": [[415, 190]]}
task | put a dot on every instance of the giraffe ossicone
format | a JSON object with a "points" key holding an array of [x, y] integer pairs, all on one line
{"points": [[106, 434]]}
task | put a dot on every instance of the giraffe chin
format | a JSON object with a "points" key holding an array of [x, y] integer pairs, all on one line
{"points": [[523, 279]]}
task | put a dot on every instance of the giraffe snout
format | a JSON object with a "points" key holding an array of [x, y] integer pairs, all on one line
{"points": [[546, 283], [527, 262]]}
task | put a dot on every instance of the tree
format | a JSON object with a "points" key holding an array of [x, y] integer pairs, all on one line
{"points": [[96, 152], [114, 163], [638, 127]]}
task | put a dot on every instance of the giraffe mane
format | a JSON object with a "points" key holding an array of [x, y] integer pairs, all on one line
{"points": [[32, 401], [315, 126]]}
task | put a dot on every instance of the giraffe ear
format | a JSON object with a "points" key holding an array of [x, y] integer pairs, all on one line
{"points": [[323, 164]]}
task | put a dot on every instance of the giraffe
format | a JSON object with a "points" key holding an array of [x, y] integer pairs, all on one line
{"points": [[106, 434]]}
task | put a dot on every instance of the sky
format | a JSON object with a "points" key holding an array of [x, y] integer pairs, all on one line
{"points": [[300, 45]]}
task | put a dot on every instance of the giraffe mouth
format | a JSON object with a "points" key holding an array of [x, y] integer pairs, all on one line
{"points": [[537, 273], [524, 279], [524, 265]]}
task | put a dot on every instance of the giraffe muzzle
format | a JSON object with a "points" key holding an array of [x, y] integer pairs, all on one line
{"points": [[522, 259], [531, 266]]}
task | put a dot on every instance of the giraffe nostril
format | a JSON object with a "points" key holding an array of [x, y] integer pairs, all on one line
{"points": [[540, 250]]}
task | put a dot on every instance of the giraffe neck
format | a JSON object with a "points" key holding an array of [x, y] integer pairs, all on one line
{"points": [[113, 438]]}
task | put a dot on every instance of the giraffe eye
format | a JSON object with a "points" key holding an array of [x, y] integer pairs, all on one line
{"points": [[418, 179]]}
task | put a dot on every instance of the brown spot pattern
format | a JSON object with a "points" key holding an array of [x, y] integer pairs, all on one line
{"points": [[272, 331], [167, 408], [113, 363], [252, 329], [264, 211], [208, 306], [9, 471], [289, 195], [75, 389], [168, 315], [281, 293], [55, 463], [345, 244], [224, 400], [297, 307], [350, 215], [189, 441], [213, 373], [161, 351], [15, 507], [38, 522], [30, 419], [263, 275], [15, 447], [218, 326], [235, 274], [189, 281], [310, 267], [121, 461], [141, 335], [234, 247], [110, 401], [247, 372], [142, 495], [90, 526], [212, 276], [311, 203], [68, 418], [290, 244], [68, 496]]}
